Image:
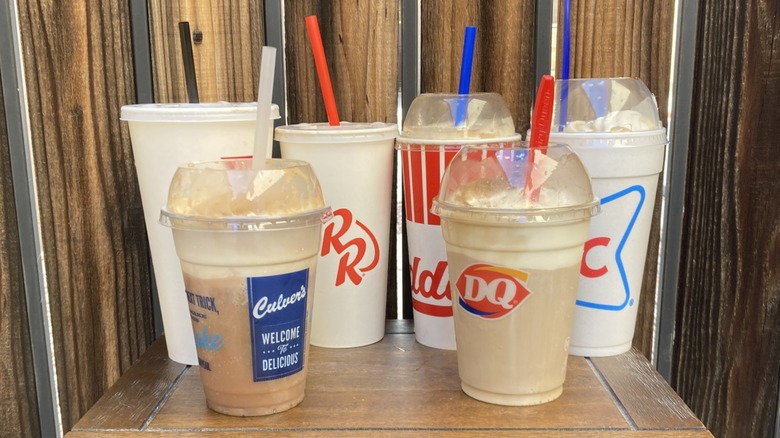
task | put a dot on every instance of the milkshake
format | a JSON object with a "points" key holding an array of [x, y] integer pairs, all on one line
{"points": [[248, 242], [514, 225], [613, 125], [430, 138]]}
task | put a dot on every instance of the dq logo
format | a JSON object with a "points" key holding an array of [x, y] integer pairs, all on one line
{"points": [[430, 286], [607, 257], [353, 263], [491, 292]]}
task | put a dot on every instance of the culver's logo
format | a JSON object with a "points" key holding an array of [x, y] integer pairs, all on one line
{"points": [[491, 292], [263, 307]]}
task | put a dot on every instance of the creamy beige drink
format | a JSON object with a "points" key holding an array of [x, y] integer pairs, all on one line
{"points": [[248, 244], [514, 232], [523, 360]]}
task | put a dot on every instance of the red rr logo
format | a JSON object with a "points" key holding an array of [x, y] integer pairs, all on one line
{"points": [[351, 262]]}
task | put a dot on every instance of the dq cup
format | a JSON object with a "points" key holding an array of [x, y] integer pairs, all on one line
{"points": [[248, 243], [613, 126], [354, 162], [165, 136], [514, 244], [428, 142]]}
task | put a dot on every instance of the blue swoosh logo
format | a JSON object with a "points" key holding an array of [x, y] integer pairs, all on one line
{"points": [[618, 254]]}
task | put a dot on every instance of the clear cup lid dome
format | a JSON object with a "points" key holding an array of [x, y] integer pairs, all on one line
{"points": [[230, 195], [606, 105], [458, 116], [517, 184]]}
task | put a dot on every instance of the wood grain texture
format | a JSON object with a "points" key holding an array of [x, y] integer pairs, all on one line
{"points": [[465, 433], [135, 396], [78, 67], [615, 38], [227, 61], [361, 45], [18, 402], [503, 55], [726, 362], [650, 401], [418, 385]]}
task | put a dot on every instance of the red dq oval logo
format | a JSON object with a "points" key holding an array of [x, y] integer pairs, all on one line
{"points": [[491, 292]]}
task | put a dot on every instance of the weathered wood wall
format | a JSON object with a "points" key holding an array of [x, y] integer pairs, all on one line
{"points": [[79, 71], [726, 362]]}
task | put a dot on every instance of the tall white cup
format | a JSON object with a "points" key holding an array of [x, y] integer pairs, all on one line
{"points": [[613, 125], [624, 170], [354, 164], [165, 136]]}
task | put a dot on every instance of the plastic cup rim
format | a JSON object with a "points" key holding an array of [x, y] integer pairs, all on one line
{"points": [[193, 112], [346, 132], [407, 141]]}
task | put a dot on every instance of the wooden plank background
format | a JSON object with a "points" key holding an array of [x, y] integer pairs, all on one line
{"points": [[503, 54], [726, 361], [18, 401], [79, 71]]}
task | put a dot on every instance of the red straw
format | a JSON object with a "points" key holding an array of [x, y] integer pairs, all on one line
{"points": [[322, 70], [540, 125]]}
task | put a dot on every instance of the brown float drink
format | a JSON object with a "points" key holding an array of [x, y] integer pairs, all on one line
{"points": [[248, 243]]}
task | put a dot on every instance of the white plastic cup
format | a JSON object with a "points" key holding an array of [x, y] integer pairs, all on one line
{"points": [[248, 241], [624, 169], [354, 164], [513, 257], [165, 136]]}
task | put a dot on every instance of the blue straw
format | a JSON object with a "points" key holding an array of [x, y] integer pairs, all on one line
{"points": [[563, 113], [465, 73], [468, 59]]}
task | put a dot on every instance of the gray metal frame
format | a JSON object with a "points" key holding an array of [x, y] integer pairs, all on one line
{"points": [[543, 40], [676, 167], [410, 54], [27, 220]]}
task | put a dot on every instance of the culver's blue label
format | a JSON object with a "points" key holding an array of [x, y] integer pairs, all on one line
{"points": [[277, 323]]}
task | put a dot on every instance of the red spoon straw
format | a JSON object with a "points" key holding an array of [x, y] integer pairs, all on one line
{"points": [[540, 126], [322, 70]]}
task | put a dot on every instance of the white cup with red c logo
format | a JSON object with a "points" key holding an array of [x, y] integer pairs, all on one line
{"points": [[354, 164], [613, 125]]}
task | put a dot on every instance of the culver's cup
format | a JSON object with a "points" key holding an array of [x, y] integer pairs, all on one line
{"points": [[514, 221], [248, 241], [354, 163], [435, 129], [165, 136], [614, 127]]}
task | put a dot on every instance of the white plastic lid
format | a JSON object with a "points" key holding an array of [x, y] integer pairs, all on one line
{"points": [[193, 112], [230, 195], [604, 105], [516, 185], [466, 117]]}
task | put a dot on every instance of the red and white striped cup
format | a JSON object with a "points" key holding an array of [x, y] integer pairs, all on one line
{"points": [[424, 162]]}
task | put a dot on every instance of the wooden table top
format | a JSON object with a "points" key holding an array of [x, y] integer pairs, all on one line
{"points": [[396, 387]]}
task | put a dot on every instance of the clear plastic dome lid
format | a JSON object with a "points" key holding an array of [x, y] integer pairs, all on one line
{"points": [[517, 184], [609, 105], [458, 116], [230, 195]]}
